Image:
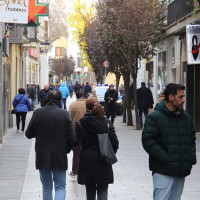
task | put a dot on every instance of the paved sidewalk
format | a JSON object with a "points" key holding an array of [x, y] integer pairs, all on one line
{"points": [[20, 181]]}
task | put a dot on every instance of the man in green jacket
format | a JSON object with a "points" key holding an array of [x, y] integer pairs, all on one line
{"points": [[169, 139]]}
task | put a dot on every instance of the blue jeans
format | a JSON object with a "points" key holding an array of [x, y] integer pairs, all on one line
{"points": [[47, 176], [140, 115], [167, 187], [32, 104], [64, 103]]}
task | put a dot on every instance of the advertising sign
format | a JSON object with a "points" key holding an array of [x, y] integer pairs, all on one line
{"points": [[34, 52], [193, 44], [14, 11]]}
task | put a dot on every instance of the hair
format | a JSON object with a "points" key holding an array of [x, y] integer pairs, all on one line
{"points": [[79, 94], [90, 103], [97, 110], [171, 89], [21, 91], [143, 84], [111, 85], [54, 95]]}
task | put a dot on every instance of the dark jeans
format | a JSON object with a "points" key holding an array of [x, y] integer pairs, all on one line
{"points": [[64, 103], [76, 158], [102, 192], [32, 103], [18, 116], [110, 111], [71, 93], [140, 115]]}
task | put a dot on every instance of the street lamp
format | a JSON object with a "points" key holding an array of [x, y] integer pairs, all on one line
{"points": [[45, 46]]}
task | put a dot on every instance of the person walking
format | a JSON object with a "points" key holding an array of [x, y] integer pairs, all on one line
{"points": [[52, 128], [43, 95], [87, 90], [145, 101], [93, 95], [65, 93], [110, 98], [77, 87], [93, 172], [77, 111], [71, 89], [22, 105], [169, 139], [32, 96]]}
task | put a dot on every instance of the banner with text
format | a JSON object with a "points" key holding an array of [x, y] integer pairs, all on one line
{"points": [[193, 44], [14, 11]]}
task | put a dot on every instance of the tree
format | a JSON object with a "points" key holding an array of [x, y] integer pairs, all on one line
{"points": [[63, 67], [131, 29], [57, 20]]}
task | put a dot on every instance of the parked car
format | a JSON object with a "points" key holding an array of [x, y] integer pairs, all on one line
{"points": [[100, 92]]}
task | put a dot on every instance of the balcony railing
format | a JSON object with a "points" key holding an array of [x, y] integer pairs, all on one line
{"points": [[179, 9]]}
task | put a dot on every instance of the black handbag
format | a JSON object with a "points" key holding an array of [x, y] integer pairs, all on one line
{"points": [[13, 110], [106, 150]]}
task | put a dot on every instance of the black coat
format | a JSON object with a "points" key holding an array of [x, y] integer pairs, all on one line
{"points": [[52, 127], [110, 93], [144, 98], [43, 96], [92, 170], [87, 89]]}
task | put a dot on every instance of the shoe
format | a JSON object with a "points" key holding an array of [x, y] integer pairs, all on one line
{"points": [[22, 132], [17, 131], [72, 175]]}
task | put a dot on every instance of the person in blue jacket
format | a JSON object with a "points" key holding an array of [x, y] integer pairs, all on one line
{"points": [[22, 105], [65, 93]]}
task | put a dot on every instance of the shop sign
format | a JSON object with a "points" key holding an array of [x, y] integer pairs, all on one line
{"points": [[193, 44], [14, 11], [36, 10], [34, 52]]}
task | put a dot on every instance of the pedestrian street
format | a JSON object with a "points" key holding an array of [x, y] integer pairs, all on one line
{"points": [[19, 180]]}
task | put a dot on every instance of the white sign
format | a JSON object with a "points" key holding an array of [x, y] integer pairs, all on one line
{"points": [[193, 44], [14, 11]]}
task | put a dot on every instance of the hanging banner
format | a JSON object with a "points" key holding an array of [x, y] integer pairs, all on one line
{"points": [[193, 44], [14, 11], [35, 11]]}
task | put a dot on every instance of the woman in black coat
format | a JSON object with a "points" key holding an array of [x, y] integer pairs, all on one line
{"points": [[94, 173]]}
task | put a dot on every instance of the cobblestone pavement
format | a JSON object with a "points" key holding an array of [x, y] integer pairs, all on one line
{"points": [[20, 181]]}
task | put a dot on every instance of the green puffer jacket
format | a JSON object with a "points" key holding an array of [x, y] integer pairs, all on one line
{"points": [[169, 139]]}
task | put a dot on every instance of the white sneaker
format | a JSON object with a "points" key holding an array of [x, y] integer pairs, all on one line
{"points": [[73, 176], [17, 131]]}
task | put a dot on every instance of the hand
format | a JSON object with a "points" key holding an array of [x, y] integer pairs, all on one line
{"points": [[111, 99]]}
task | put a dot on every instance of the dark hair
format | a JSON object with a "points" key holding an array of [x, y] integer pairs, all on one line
{"points": [[172, 89], [21, 91], [90, 103], [54, 95], [143, 84], [79, 94], [97, 110]]}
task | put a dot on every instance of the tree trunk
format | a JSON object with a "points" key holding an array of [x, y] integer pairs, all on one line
{"points": [[128, 99], [118, 75], [135, 101], [124, 109]]}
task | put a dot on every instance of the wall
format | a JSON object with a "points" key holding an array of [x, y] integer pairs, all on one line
{"points": [[1, 86], [44, 70]]}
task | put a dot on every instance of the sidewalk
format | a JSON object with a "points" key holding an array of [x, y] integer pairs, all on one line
{"points": [[20, 181]]}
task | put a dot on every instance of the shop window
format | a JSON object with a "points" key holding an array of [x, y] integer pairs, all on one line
{"points": [[162, 71]]}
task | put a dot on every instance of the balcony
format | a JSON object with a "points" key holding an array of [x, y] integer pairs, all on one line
{"points": [[179, 9]]}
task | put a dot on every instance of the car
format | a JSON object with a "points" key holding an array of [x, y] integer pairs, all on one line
{"points": [[100, 92]]}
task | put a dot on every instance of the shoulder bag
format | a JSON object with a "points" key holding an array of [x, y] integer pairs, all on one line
{"points": [[107, 153], [13, 110]]}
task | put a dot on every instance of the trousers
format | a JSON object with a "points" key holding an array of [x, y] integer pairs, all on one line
{"points": [[167, 187], [76, 158], [47, 177], [18, 116], [101, 190]]}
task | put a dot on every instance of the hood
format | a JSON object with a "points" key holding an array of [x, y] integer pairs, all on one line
{"points": [[163, 108], [94, 124], [63, 84]]}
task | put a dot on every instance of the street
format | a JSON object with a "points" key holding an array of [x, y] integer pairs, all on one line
{"points": [[19, 180]]}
